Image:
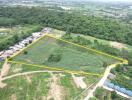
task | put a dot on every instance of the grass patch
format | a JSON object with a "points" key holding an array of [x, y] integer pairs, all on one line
{"points": [[55, 53], [24, 90], [71, 90]]}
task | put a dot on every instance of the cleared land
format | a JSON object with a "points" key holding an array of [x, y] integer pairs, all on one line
{"points": [[56, 53], [23, 83]]}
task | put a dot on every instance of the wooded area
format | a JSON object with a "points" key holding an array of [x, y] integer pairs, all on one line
{"points": [[87, 25]]}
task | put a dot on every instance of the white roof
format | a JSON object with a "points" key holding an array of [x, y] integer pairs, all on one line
{"points": [[4, 55], [9, 52], [1, 52], [15, 48], [36, 34], [18, 46], [21, 44], [24, 42]]}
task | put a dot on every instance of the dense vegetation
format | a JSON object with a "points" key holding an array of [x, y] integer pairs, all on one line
{"points": [[19, 34], [102, 94], [123, 76], [97, 27]]}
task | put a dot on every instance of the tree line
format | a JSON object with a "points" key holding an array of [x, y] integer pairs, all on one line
{"points": [[88, 25]]}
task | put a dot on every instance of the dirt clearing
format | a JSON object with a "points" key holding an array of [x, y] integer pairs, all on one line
{"points": [[117, 45], [79, 82], [28, 78]]}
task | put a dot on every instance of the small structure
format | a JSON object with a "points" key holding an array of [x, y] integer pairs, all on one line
{"points": [[8, 52], [36, 35], [1, 53], [18, 46], [46, 30]]}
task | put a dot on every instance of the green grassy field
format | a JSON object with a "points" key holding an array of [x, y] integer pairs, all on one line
{"points": [[21, 88], [55, 53], [37, 86]]}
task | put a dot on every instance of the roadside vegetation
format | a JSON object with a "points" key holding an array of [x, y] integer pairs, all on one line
{"points": [[123, 77], [102, 94]]}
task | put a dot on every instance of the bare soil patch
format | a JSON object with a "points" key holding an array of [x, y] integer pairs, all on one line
{"points": [[5, 69], [117, 45], [13, 97], [4, 72], [79, 82], [55, 90], [28, 78]]}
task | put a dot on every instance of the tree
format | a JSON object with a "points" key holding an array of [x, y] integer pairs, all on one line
{"points": [[105, 64], [25, 52]]}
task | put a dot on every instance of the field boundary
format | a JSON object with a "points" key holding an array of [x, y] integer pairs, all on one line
{"points": [[55, 68], [93, 50], [122, 61]]}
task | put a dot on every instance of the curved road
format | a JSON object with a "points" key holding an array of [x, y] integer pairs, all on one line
{"points": [[103, 79]]}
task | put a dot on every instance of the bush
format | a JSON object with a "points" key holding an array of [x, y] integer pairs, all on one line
{"points": [[56, 57], [25, 52]]}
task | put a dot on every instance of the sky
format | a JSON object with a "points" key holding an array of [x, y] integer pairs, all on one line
{"points": [[114, 0], [106, 0]]}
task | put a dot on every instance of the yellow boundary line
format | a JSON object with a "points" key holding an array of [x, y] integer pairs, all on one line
{"points": [[123, 61], [57, 69], [26, 47], [93, 50]]}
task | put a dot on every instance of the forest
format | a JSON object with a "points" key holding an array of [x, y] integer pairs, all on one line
{"points": [[88, 25]]}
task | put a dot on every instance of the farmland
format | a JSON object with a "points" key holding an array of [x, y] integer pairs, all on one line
{"points": [[52, 52]]}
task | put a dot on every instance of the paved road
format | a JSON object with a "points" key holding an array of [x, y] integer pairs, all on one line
{"points": [[103, 79]]}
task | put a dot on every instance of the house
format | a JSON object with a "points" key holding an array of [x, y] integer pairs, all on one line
{"points": [[21, 44], [18, 46], [36, 35], [111, 76], [29, 39], [9, 52], [1, 52], [25, 42], [15, 49], [46, 30], [3, 56]]}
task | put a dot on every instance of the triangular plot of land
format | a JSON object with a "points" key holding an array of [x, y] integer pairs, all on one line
{"points": [[56, 53]]}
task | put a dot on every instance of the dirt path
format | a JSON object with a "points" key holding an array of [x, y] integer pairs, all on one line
{"points": [[26, 73], [4, 72], [55, 91]]}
